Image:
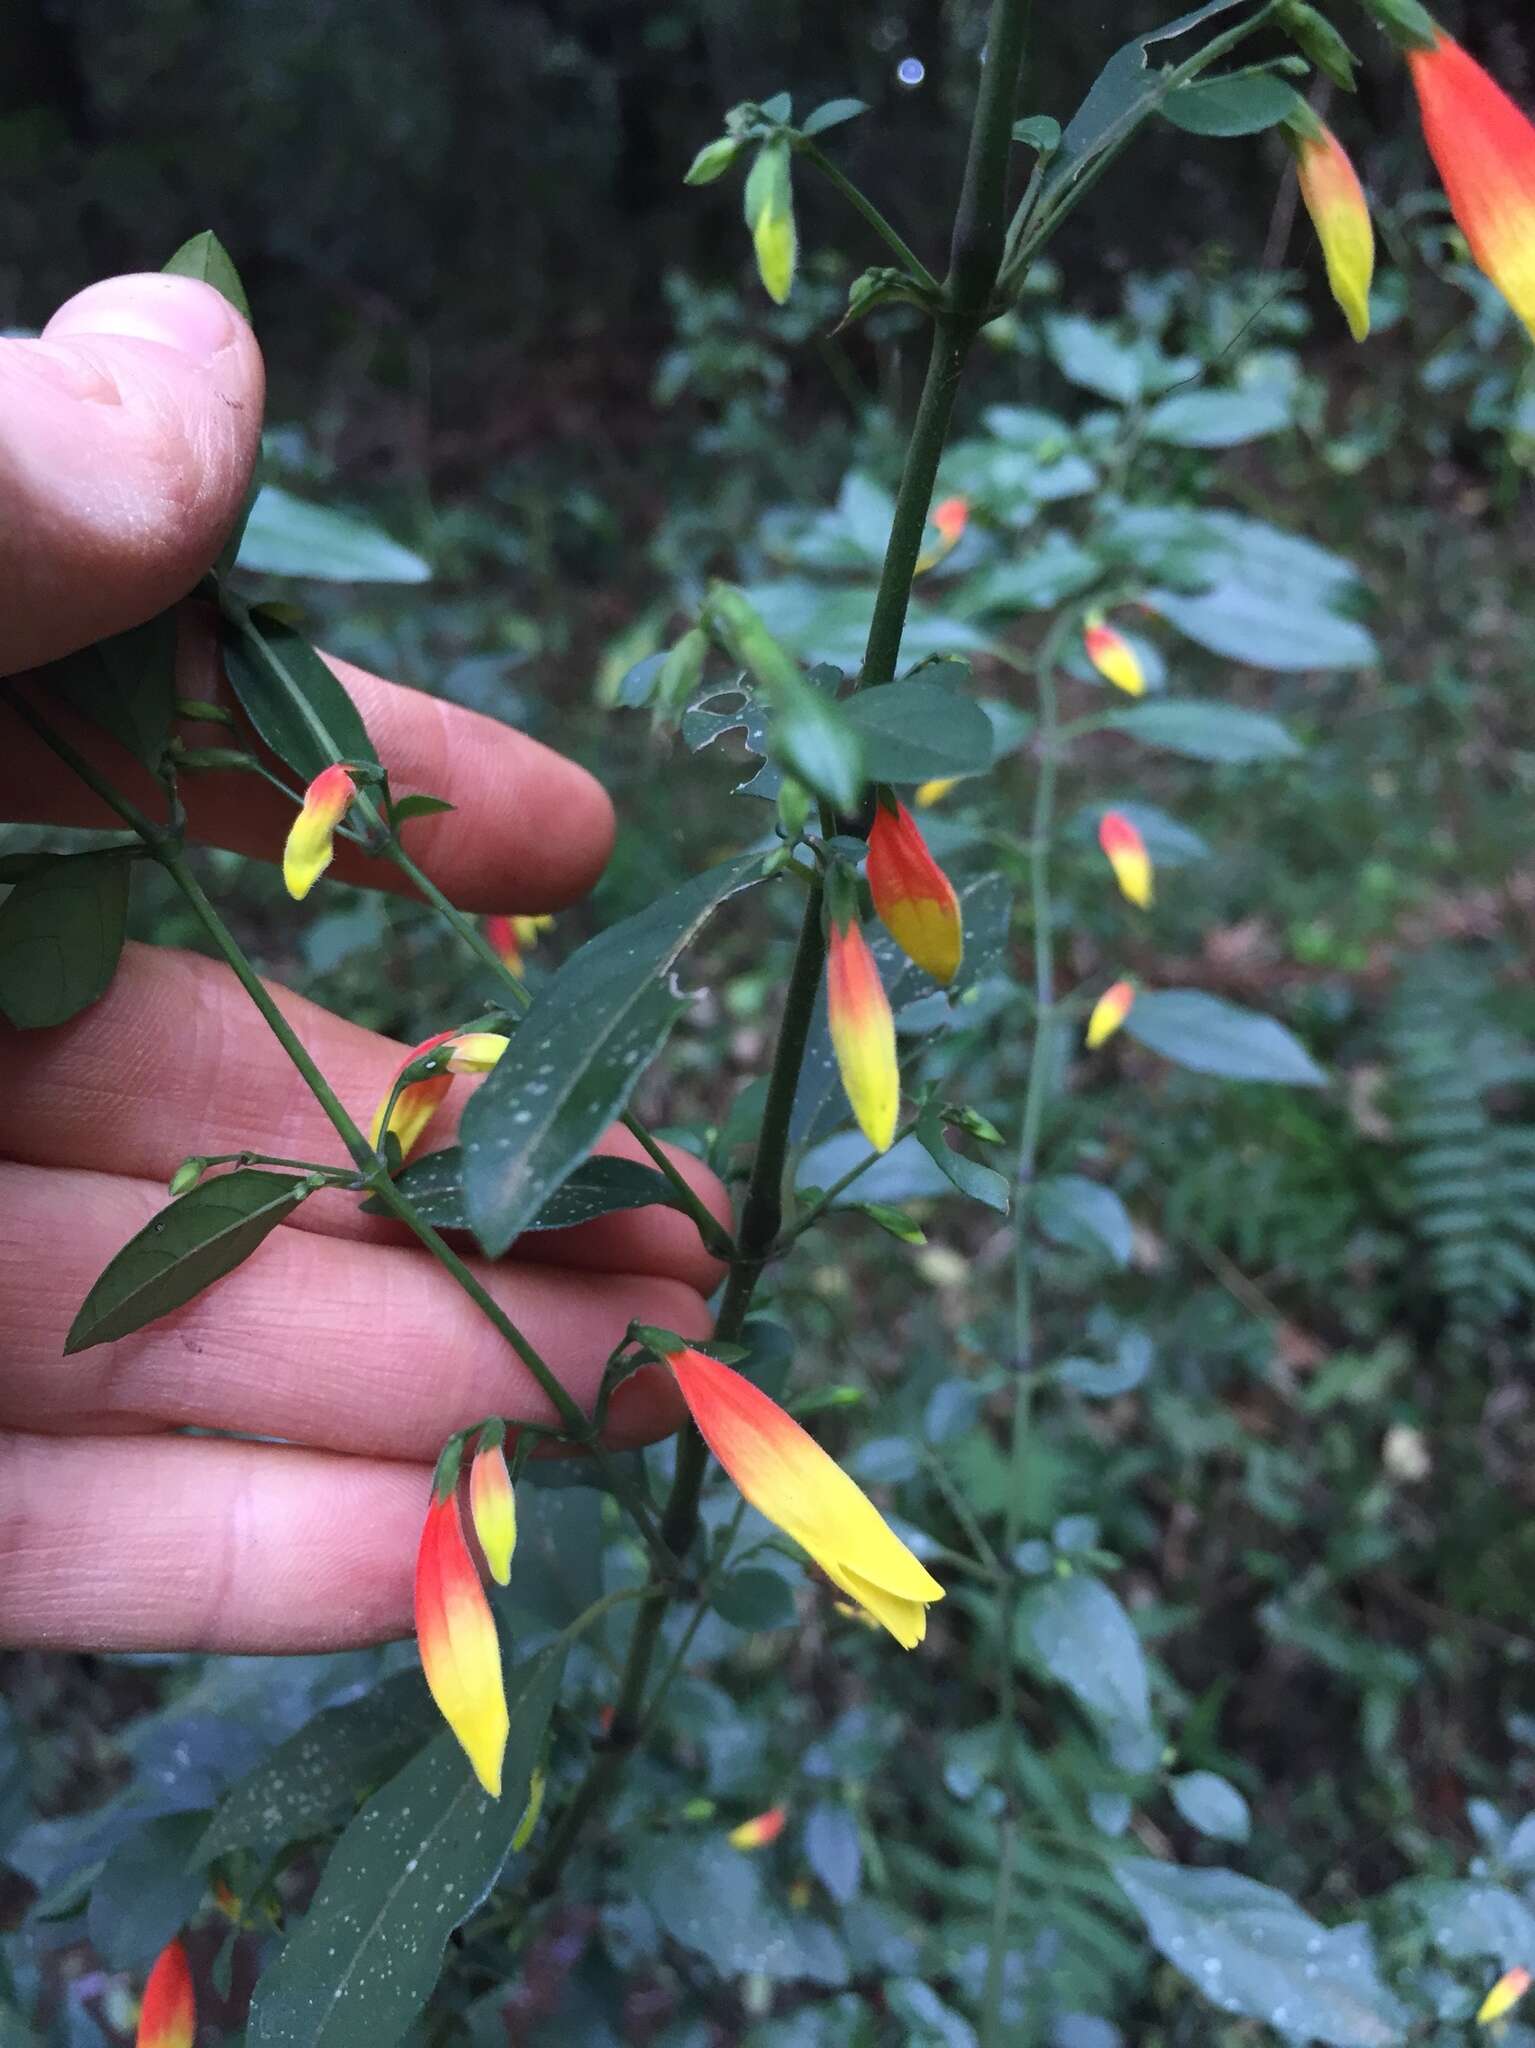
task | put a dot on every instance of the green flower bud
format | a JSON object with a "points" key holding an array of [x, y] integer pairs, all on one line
{"points": [[1318, 40], [186, 1176], [712, 161]]}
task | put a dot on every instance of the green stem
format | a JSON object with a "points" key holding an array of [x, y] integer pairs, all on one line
{"points": [[838, 1188], [908, 259], [1041, 1063], [974, 259]]}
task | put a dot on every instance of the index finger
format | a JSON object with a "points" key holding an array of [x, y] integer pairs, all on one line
{"points": [[529, 829]]}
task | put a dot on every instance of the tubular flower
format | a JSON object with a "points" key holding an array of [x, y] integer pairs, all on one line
{"points": [[456, 1634], [1109, 1012], [935, 791], [761, 1829], [168, 2015], [785, 1475], [862, 1034], [1483, 147], [1112, 655], [493, 1506], [513, 937], [473, 1052], [913, 897], [950, 516], [1335, 200], [1503, 1996], [1127, 857], [311, 837]]}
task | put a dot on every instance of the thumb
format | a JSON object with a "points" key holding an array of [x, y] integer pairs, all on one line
{"points": [[127, 438]]}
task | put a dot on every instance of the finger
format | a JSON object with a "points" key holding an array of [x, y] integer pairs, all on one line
{"points": [[174, 1060], [192, 1544], [127, 437], [529, 830], [372, 1349]]}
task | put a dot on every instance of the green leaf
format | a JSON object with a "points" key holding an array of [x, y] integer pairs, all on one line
{"points": [[1269, 598], [61, 932], [557, 1571], [596, 1188], [1125, 91], [756, 1599], [414, 1864], [146, 1893], [1209, 1036], [314, 1781], [404, 808], [191, 1243], [815, 739], [1468, 1919], [1254, 1952], [831, 114], [1231, 106], [1055, 568], [578, 1053], [833, 1850], [205, 257], [125, 685], [1090, 354], [1077, 1630], [981, 1183], [287, 536], [1212, 1804], [830, 623], [291, 697], [1076, 1211], [911, 731], [1041, 132], [1099, 1382], [1205, 732], [714, 1901], [1218, 419]]}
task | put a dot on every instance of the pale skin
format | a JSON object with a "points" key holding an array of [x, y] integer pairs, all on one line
{"points": [[127, 435]]}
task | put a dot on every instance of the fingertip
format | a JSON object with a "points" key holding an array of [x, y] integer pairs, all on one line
{"points": [[181, 313]]}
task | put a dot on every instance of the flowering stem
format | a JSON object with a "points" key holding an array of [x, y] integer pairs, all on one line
{"points": [[871, 213]]}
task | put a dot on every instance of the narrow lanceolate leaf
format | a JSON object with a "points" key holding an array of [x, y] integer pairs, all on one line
{"points": [[1209, 1036], [289, 695], [434, 1185], [196, 1240], [285, 536], [61, 931], [1205, 732], [592, 1030], [413, 1865], [126, 685]]}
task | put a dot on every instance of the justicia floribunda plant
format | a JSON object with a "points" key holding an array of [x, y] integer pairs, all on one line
{"points": [[843, 752]]}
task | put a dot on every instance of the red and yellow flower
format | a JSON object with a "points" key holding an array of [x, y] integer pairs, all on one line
{"points": [[493, 1508], [1483, 147], [1339, 212], [1109, 1012], [950, 516], [513, 937], [1112, 655], [473, 1052], [168, 2014], [786, 1476], [913, 897], [862, 1033], [312, 835], [456, 1635], [1127, 856], [761, 1829], [1503, 1996]]}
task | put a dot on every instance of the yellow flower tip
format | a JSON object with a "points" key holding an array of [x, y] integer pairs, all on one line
{"points": [[862, 1035], [476, 1052], [493, 1508], [1109, 1012], [1335, 200], [311, 837], [783, 1472], [168, 2013], [935, 791], [1483, 147], [1112, 655], [777, 249], [1503, 1996], [1127, 855], [761, 1829], [456, 1635], [913, 897]]}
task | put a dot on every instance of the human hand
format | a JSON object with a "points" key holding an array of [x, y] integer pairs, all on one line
{"points": [[127, 435]]}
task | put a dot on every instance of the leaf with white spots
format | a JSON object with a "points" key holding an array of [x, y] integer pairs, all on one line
{"points": [[575, 1058]]}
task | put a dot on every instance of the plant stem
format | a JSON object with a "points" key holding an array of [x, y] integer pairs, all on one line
{"points": [[974, 258], [838, 1188], [1042, 1056], [908, 259]]}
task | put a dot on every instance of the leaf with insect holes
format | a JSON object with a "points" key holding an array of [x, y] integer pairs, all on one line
{"points": [[61, 933], [191, 1243]]}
